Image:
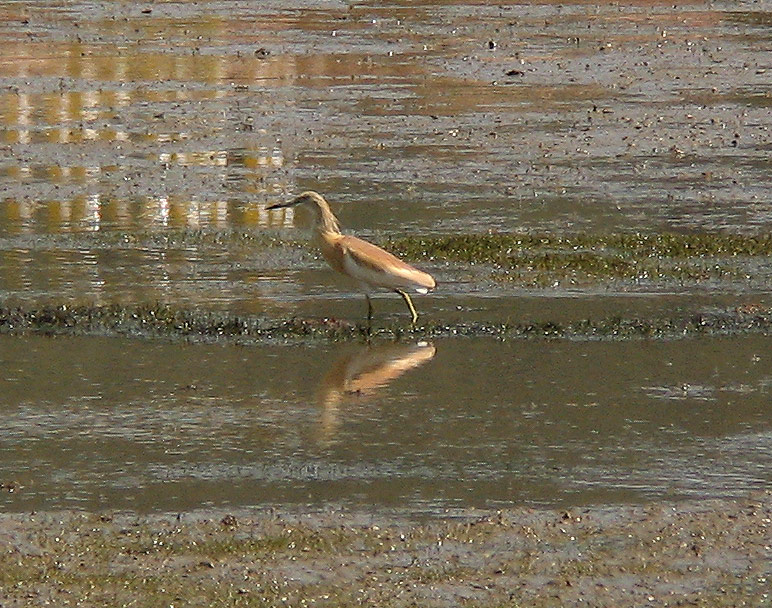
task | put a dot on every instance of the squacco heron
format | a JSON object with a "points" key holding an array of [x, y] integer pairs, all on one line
{"points": [[368, 265]]}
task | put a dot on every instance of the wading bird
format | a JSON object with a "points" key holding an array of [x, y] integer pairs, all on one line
{"points": [[368, 265]]}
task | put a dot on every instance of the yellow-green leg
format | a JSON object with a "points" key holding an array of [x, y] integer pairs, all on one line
{"points": [[369, 309], [369, 331], [409, 303]]}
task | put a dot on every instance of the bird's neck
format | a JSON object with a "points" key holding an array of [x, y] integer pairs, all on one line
{"points": [[326, 222]]}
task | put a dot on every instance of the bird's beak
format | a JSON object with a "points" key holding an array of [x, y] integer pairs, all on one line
{"points": [[294, 201]]}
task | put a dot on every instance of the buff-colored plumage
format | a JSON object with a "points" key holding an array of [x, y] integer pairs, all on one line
{"points": [[369, 265]]}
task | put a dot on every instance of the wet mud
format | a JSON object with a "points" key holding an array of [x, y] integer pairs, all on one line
{"points": [[439, 116], [706, 554]]}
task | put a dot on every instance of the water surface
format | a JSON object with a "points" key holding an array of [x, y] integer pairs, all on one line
{"points": [[140, 144], [94, 423]]}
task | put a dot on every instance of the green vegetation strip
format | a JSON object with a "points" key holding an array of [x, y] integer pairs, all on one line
{"points": [[500, 248], [538, 259], [164, 321]]}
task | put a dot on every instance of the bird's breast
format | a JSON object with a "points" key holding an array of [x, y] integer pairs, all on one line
{"points": [[332, 252]]}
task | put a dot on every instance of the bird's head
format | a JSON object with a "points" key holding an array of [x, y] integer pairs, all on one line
{"points": [[319, 209], [311, 200]]}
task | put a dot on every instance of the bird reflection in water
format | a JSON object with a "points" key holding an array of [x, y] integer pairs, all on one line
{"points": [[360, 373]]}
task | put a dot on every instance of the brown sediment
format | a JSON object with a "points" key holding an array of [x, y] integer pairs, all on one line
{"points": [[708, 553]]}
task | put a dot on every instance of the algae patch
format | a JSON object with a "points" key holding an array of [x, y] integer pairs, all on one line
{"points": [[652, 260], [538, 260], [160, 321]]}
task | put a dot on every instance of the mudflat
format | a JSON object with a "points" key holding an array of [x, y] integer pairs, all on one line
{"points": [[707, 553]]}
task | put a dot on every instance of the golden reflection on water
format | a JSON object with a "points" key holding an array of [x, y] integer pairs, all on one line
{"points": [[359, 374], [152, 95], [88, 109], [233, 98], [92, 212]]}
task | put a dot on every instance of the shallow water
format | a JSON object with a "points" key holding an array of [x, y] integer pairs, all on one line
{"points": [[139, 142], [437, 116], [425, 118], [101, 423]]}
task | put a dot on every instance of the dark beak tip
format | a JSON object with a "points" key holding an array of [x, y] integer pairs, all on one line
{"points": [[276, 206]]}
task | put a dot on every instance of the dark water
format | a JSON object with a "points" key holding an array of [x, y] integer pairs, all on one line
{"points": [[105, 423], [139, 140]]}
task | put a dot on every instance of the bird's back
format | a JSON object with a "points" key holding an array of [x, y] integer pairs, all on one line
{"points": [[371, 265]]}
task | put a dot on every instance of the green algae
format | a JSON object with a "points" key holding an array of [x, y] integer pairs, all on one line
{"points": [[526, 259], [547, 251], [539, 260], [529, 260], [498, 248], [161, 321]]}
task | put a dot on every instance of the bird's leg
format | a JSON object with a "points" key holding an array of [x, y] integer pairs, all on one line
{"points": [[369, 317], [409, 302], [369, 308]]}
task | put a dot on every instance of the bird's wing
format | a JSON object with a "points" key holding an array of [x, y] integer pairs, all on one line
{"points": [[371, 256], [373, 259]]}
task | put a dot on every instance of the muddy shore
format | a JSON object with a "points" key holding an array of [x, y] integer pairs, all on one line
{"points": [[708, 553]]}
